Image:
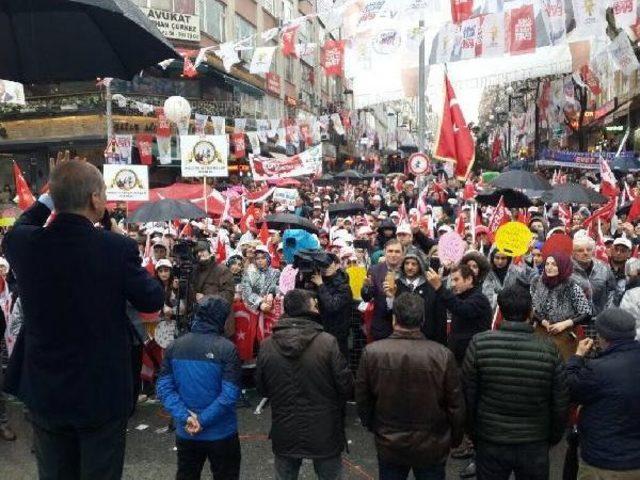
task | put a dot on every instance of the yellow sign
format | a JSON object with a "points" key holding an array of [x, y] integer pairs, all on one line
{"points": [[513, 239], [356, 280]]}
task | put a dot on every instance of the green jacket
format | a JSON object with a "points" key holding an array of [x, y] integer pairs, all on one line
{"points": [[515, 387]]}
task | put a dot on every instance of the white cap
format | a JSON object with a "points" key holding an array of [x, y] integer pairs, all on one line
{"points": [[383, 214], [163, 263], [4, 262], [403, 228], [444, 228], [409, 182], [377, 197], [625, 242], [262, 249], [394, 214]]}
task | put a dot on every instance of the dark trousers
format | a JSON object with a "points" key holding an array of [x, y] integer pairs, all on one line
{"points": [[66, 452], [136, 368], [288, 468], [393, 471], [223, 455], [529, 461]]}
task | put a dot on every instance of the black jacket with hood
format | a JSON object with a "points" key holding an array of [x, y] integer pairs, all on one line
{"points": [[434, 324], [301, 370]]}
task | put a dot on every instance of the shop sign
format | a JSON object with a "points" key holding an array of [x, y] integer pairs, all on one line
{"points": [[615, 128], [177, 26], [273, 83]]}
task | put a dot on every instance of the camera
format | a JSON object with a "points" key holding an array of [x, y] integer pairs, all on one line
{"points": [[184, 264], [309, 262]]}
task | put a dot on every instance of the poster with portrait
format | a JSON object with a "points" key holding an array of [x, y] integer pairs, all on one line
{"points": [[204, 156], [11, 92], [127, 182]]}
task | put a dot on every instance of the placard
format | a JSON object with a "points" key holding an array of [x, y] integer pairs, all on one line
{"points": [[513, 239], [451, 248], [127, 182], [285, 196], [11, 92], [204, 156]]}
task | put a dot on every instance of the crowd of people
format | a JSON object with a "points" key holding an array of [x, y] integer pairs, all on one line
{"points": [[490, 357]]}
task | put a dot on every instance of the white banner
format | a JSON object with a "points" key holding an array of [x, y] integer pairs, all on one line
{"points": [[625, 12], [123, 145], [285, 196], [554, 18], [201, 123], [204, 156], [178, 26], [218, 125], [337, 124], [493, 36], [11, 92], [622, 54], [261, 60], [589, 16], [127, 182], [469, 29]]}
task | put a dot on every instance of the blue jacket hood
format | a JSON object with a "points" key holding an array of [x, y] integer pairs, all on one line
{"points": [[211, 315]]}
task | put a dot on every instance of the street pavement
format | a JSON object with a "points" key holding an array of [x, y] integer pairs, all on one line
{"points": [[151, 453]]}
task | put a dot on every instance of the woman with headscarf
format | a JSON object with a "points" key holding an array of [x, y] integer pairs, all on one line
{"points": [[260, 284], [558, 301]]}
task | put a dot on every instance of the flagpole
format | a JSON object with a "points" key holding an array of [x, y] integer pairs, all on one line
{"points": [[204, 195], [421, 91]]}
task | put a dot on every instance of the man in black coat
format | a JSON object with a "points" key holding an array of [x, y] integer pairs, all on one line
{"points": [[301, 370], [469, 307], [608, 389], [72, 362], [516, 391], [412, 280], [381, 325], [334, 302]]}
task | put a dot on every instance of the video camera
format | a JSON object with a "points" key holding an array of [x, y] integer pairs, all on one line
{"points": [[184, 264], [309, 262]]}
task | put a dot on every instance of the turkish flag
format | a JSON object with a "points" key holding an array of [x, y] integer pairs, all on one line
{"points": [[496, 148], [461, 10], [522, 30], [163, 128], [500, 217], [144, 142], [221, 251], [469, 191], [246, 330], [23, 192], [289, 37], [189, 69], [634, 212], [237, 139], [263, 236], [608, 184], [454, 142], [333, 58]]}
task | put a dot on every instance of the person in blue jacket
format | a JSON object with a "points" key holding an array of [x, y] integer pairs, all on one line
{"points": [[199, 385]]}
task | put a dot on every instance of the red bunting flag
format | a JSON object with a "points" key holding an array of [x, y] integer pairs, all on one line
{"points": [[144, 142], [634, 211], [189, 69], [289, 38], [221, 251], [23, 192], [500, 216], [461, 10], [333, 58], [263, 236], [237, 139], [522, 30], [608, 184], [454, 142]]}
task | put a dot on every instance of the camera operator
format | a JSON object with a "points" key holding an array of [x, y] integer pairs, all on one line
{"points": [[209, 277], [331, 285]]}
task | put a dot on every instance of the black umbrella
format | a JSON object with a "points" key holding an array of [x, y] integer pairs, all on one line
{"points": [[166, 210], [324, 179], [59, 40], [283, 221], [349, 174], [521, 180], [625, 165], [375, 176], [512, 198], [573, 193], [346, 209]]}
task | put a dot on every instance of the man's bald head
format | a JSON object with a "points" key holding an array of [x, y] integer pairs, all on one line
{"points": [[75, 186]]}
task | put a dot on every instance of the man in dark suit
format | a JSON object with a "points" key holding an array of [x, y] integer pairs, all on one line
{"points": [[373, 289], [72, 366]]}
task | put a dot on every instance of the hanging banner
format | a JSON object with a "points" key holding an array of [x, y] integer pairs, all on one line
{"points": [[273, 83], [625, 12], [11, 93], [289, 40], [522, 30], [163, 127], [263, 129], [308, 162], [254, 141], [218, 125], [204, 156], [622, 54], [554, 19], [461, 10], [285, 196], [237, 140], [200, 123], [144, 142], [164, 150], [127, 183], [470, 29], [333, 58], [123, 150], [174, 25], [493, 36], [586, 160], [261, 60], [589, 16], [240, 124]]}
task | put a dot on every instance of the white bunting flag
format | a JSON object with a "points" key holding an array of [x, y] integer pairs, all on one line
{"points": [[240, 124], [469, 29], [622, 54], [201, 123], [275, 124], [625, 12], [261, 60], [263, 128], [493, 37], [218, 125], [254, 140], [337, 124], [228, 54], [282, 137], [589, 16], [554, 19]]}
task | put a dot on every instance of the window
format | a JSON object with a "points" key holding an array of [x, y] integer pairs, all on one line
{"points": [[288, 69], [245, 29], [212, 19], [287, 10], [271, 6], [188, 7]]}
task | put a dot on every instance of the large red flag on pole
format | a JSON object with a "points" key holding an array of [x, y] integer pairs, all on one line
{"points": [[23, 192], [454, 142]]}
